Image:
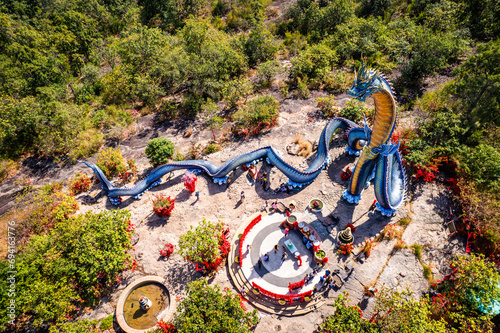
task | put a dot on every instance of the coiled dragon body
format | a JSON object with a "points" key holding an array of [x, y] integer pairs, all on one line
{"points": [[376, 155]]}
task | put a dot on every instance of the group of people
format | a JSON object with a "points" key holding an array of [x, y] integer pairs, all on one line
{"points": [[284, 188]]}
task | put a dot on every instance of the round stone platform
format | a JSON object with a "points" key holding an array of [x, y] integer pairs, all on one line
{"points": [[275, 274]]}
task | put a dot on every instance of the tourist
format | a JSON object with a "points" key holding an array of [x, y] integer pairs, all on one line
{"points": [[242, 195], [266, 256], [283, 256], [267, 204], [197, 194], [276, 248], [300, 260], [260, 263], [243, 290], [249, 247], [286, 232]]}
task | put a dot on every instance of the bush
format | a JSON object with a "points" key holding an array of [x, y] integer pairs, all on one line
{"points": [[347, 318], [234, 90], [208, 309], [259, 113], [353, 110], [429, 53], [316, 61], [163, 206], [111, 162], [212, 148], [471, 287], [260, 45], [205, 246], [295, 42], [327, 105], [79, 183], [86, 144], [107, 323], [74, 262], [159, 151], [266, 71]]}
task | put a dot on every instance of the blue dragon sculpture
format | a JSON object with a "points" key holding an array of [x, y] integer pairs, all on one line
{"points": [[378, 159]]}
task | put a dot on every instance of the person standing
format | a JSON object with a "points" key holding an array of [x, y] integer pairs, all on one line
{"points": [[266, 256], [260, 263], [283, 256], [286, 232], [276, 248], [242, 195]]}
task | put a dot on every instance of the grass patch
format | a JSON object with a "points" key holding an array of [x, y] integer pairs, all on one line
{"points": [[106, 323], [427, 271], [417, 249], [404, 222]]}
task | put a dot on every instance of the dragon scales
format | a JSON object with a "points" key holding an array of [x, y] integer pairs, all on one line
{"points": [[379, 160]]}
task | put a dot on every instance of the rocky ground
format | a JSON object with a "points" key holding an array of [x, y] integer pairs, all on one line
{"points": [[427, 208]]}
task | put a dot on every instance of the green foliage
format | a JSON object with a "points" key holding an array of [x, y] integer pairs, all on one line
{"points": [[473, 286], [111, 162], [353, 110], [316, 61], [260, 45], [107, 322], [79, 183], [79, 326], [159, 151], [241, 14], [7, 168], [405, 314], [327, 105], [347, 318], [482, 166], [259, 113], [481, 17], [234, 90], [430, 53], [478, 85], [212, 148], [316, 19], [213, 121], [201, 244], [266, 71], [170, 14], [208, 309], [294, 42], [75, 261]]}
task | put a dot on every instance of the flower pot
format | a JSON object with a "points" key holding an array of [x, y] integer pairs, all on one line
{"points": [[316, 205], [282, 302], [256, 291]]}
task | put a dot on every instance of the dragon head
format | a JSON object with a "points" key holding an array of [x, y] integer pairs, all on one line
{"points": [[366, 82]]}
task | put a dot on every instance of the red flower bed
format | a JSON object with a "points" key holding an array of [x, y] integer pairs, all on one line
{"points": [[345, 249]]}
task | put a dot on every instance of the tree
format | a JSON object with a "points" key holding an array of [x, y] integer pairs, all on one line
{"points": [[208, 309], [205, 245], [159, 150], [347, 319], [465, 297], [400, 312]]}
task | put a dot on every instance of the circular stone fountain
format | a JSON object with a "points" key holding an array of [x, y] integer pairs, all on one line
{"points": [[144, 302]]}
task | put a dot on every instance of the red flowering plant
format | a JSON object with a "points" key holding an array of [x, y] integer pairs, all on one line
{"points": [[162, 205], [79, 183], [164, 327], [189, 180], [167, 250], [345, 249], [463, 296], [206, 246]]}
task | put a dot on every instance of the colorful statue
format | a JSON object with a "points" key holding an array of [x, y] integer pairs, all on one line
{"points": [[379, 159]]}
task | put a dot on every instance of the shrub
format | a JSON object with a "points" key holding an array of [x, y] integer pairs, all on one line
{"points": [[353, 110], [259, 113], [260, 45], [86, 144], [79, 326], [347, 318], [295, 42], [111, 162], [266, 71], [74, 262], [327, 105], [107, 323], [212, 148], [163, 206], [222, 311], [205, 246], [79, 183], [7, 168], [159, 150], [316, 61], [302, 90], [467, 293], [233, 91]]}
